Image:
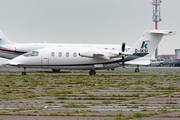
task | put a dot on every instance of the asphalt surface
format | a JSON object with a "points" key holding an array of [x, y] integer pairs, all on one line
{"points": [[126, 107], [11, 69]]}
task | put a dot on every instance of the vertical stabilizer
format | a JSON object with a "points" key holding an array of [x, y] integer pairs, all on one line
{"points": [[144, 48], [3, 39], [149, 42]]}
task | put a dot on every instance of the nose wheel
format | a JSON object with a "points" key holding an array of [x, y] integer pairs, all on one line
{"points": [[24, 72]]}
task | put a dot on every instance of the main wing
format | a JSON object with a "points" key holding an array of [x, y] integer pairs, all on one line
{"points": [[103, 54]]}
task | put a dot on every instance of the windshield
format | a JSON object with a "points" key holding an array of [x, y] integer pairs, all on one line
{"points": [[33, 53]]}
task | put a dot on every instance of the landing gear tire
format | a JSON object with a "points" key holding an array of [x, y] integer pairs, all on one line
{"points": [[23, 73], [56, 70], [92, 72], [137, 69]]}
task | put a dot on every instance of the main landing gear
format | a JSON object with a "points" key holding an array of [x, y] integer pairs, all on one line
{"points": [[92, 72], [137, 69], [24, 72]]}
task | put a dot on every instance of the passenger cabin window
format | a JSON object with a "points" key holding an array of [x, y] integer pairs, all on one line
{"points": [[113, 48], [67, 54], [33, 53], [52, 54], [74, 54], [60, 54]]}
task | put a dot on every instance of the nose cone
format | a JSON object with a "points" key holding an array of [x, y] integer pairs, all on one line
{"points": [[6, 63], [11, 63], [15, 62]]}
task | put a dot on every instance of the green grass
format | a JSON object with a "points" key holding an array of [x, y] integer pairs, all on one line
{"points": [[137, 115], [49, 102]]}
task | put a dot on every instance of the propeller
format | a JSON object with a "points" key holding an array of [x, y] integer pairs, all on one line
{"points": [[123, 49]]}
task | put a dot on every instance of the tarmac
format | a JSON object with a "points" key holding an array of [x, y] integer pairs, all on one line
{"points": [[127, 69]]}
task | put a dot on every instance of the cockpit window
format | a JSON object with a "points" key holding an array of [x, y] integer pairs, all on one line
{"points": [[33, 53]]}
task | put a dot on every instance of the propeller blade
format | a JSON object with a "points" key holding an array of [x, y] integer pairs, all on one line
{"points": [[123, 60], [123, 47]]}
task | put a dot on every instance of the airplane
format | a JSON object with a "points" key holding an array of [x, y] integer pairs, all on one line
{"points": [[10, 50], [82, 58]]}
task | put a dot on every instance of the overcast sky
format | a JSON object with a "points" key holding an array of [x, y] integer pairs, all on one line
{"points": [[90, 21]]}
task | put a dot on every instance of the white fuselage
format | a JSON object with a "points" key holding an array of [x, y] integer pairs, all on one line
{"points": [[66, 58]]}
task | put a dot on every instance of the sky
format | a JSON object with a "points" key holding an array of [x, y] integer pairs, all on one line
{"points": [[90, 21]]}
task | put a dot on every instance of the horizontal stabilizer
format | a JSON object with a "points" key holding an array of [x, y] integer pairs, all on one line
{"points": [[164, 32]]}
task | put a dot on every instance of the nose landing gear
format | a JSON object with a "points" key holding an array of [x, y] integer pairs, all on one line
{"points": [[24, 72]]}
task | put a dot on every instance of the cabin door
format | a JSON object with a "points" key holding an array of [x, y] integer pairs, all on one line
{"points": [[45, 60]]}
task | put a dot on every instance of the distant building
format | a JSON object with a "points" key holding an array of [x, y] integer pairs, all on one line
{"points": [[177, 53], [168, 57]]}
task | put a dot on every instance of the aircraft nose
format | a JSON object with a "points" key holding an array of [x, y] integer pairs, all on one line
{"points": [[10, 63], [7, 63]]}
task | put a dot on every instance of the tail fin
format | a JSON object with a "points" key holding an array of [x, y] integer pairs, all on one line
{"points": [[3, 39], [147, 44]]}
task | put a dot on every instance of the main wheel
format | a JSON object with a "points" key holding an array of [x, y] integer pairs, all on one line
{"points": [[23, 73], [92, 72], [56, 70]]}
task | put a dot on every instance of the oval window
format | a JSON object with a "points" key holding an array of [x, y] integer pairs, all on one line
{"points": [[60, 54], [52, 54], [67, 54], [74, 54]]}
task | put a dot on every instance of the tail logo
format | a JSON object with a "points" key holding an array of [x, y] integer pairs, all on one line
{"points": [[143, 49], [145, 46]]}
